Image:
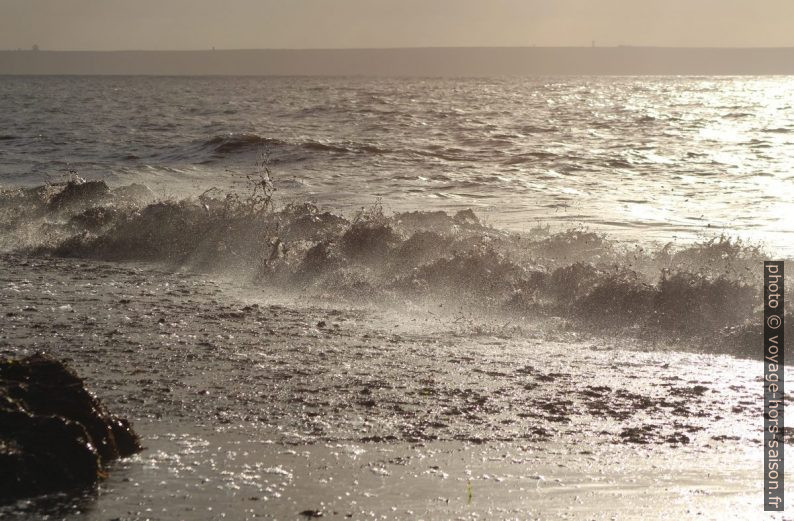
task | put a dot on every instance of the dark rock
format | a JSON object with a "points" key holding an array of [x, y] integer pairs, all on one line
{"points": [[54, 435]]}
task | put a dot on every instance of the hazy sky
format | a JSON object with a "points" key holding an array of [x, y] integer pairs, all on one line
{"points": [[235, 24]]}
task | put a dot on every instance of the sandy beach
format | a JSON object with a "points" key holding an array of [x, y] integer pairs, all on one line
{"points": [[253, 404]]}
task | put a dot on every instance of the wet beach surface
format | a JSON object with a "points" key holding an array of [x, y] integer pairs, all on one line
{"points": [[254, 405]]}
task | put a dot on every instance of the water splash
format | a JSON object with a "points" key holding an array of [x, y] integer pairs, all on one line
{"points": [[706, 294]]}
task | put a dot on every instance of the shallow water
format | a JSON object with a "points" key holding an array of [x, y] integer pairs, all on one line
{"points": [[644, 158], [230, 475]]}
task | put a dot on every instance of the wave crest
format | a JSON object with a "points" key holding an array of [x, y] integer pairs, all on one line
{"points": [[709, 291], [242, 145]]}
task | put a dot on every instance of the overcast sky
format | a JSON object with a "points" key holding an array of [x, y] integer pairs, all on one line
{"points": [[236, 24]]}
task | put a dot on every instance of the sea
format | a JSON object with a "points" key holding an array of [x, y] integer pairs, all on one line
{"points": [[639, 158], [491, 298]]}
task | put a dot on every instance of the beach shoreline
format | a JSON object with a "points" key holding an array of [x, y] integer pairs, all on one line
{"points": [[244, 389]]}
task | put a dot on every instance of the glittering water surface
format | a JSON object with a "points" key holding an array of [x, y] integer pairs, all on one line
{"points": [[498, 377], [644, 158]]}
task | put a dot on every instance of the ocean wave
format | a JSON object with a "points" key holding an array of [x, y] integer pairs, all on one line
{"points": [[242, 145], [708, 291], [228, 144]]}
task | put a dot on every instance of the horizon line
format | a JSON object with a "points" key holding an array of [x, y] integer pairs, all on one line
{"points": [[406, 48]]}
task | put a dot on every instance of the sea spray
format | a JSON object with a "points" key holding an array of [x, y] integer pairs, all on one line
{"points": [[709, 289]]}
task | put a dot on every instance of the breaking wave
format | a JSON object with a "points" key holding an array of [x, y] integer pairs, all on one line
{"points": [[705, 294]]}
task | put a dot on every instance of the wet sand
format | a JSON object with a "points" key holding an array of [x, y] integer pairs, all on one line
{"points": [[254, 405]]}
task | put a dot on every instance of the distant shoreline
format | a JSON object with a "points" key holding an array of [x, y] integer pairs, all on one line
{"points": [[404, 62]]}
